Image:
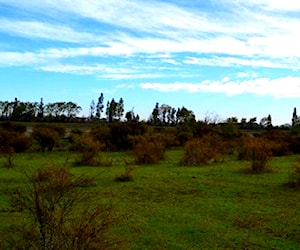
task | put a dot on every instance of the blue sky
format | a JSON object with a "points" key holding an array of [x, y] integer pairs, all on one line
{"points": [[219, 58]]}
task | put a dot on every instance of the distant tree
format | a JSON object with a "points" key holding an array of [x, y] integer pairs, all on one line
{"points": [[41, 109], [266, 122], [16, 110], [4, 107], [295, 118], [72, 109], [130, 116], [92, 109], [100, 106], [165, 113], [173, 116], [184, 115], [154, 119], [252, 124], [119, 109], [49, 109], [111, 110], [231, 120]]}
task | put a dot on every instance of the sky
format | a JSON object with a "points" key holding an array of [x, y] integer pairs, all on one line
{"points": [[218, 58]]}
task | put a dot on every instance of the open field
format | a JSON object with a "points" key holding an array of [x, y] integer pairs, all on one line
{"points": [[216, 206]]}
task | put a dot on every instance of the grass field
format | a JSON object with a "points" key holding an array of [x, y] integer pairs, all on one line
{"points": [[217, 206]]}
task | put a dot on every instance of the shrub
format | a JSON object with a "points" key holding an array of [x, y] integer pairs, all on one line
{"points": [[258, 152], [89, 151], [127, 175], [18, 141], [148, 149], [8, 153], [46, 137], [15, 127], [52, 217], [200, 151], [294, 178]]}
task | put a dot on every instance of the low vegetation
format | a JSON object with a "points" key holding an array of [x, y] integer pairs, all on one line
{"points": [[183, 186]]}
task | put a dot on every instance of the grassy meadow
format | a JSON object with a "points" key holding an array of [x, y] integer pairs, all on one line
{"points": [[168, 206]]}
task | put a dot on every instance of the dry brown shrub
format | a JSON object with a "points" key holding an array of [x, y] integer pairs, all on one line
{"points": [[89, 151], [148, 149], [201, 151], [258, 152], [46, 137]]}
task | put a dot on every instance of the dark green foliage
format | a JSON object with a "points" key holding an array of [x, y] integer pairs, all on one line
{"points": [[117, 136]]}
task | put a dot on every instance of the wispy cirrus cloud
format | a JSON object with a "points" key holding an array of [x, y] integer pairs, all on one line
{"points": [[286, 87], [238, 33], [42, 30]]}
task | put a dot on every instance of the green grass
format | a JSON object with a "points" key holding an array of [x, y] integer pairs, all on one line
{"points": [[218, 206]]}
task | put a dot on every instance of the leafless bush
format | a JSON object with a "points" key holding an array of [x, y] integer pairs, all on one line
{"points": [[53, 218]]}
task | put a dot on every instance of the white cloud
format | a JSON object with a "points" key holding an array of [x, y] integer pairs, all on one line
{"points": [[287, 87], [34, 29], [229, 61], [241, 34], [246, 75]]}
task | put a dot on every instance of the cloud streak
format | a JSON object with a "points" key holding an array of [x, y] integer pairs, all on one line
{"points": [[278, 88]]}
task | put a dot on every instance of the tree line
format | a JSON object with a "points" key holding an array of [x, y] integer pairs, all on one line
{"points": [[113, 111]]}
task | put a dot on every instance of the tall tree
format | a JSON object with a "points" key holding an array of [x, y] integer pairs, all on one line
{"points": [[184, 115], [295, 118], [100, 106], [266, 122], [92, 109], [111, 110], [72, 109], [154, 119], [41, 109], [119, 109]]}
